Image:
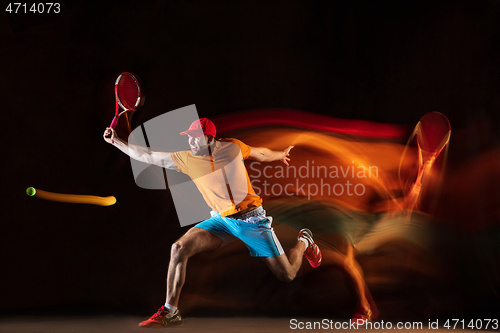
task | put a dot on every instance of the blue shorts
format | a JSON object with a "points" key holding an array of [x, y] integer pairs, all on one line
{"points": [[258, 235]]}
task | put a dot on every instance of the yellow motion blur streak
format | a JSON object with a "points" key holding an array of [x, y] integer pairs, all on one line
{"points": [[76, 198]]}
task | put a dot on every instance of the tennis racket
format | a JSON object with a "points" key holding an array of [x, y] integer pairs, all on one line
{"points": [[433, 133], [127, 95]]}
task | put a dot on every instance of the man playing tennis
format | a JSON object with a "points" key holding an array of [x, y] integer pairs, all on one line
{"points": [[245, 220]]}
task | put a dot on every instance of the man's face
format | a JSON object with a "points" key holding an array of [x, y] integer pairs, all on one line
{"points": [[198, 145]]}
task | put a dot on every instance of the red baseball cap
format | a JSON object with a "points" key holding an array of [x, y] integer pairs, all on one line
{"points": [[200, 127]]}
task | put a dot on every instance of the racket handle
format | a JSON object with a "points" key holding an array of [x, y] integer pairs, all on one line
{"points": [[114, 122], [113, 125]]}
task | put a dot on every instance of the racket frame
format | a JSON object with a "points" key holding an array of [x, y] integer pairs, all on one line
{"points": [[425, 161], [119, 103]]}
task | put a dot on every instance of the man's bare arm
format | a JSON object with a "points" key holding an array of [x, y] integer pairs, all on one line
{"points": [[262, 154], [141, 154]]}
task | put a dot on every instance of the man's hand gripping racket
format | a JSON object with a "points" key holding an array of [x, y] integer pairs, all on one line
{"points": [[128, 98]]}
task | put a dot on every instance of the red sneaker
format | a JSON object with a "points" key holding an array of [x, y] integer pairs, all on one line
{"points": [[163, 318], [312, 253], [362, 316]]}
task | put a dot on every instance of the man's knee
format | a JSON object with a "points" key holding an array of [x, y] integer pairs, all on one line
{"points": [[180, 250]]}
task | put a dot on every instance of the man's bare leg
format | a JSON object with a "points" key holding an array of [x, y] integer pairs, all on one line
{"points": [[196, 240], [286, 268]]}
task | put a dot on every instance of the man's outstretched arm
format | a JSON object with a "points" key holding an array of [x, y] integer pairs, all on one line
{"points": [[141, 154], [262, 154]]}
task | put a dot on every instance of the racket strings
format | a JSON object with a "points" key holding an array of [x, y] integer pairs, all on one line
{"points": [[433, 132], [128, 92]]}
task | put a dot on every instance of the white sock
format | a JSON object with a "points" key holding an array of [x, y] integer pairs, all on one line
{"points": [[171, 308], [305, 241]]}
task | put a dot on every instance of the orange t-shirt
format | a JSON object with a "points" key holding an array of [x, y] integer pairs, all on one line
{"points": [[221, 177]]}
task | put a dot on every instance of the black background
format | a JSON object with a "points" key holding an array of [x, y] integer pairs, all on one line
{"points": [[380, 61]]}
